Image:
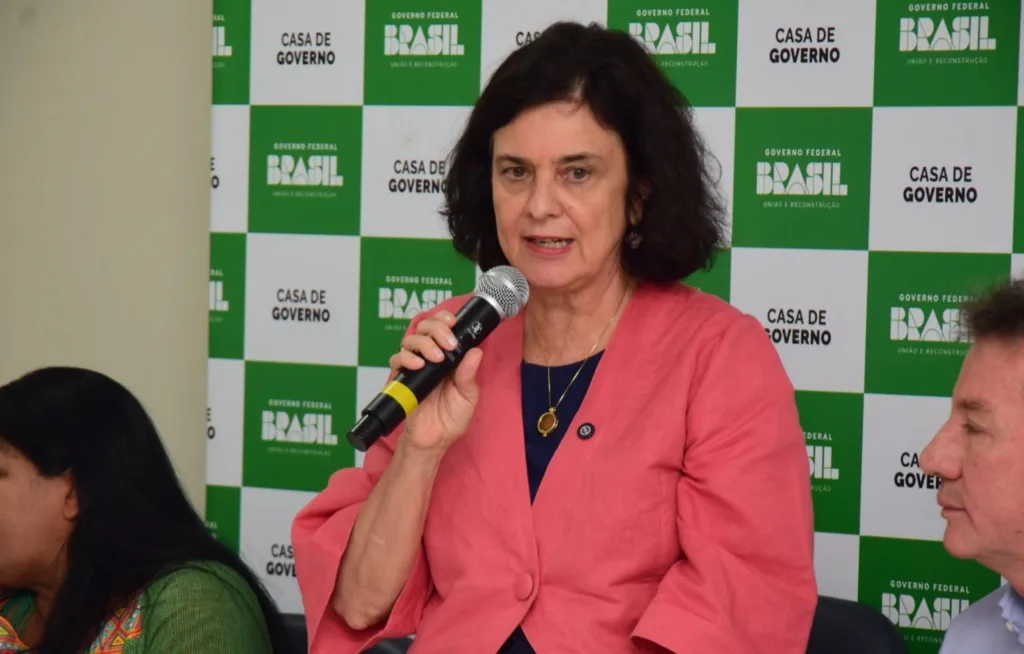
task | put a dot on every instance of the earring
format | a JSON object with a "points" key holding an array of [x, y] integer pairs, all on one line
{"points": [[634, 238]]}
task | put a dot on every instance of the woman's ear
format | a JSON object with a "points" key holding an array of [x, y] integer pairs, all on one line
{"points": [[636, 211], [634, 215], [71, 507]]}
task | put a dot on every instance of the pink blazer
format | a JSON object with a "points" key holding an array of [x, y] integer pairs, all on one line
{"points": [[684, 520]]}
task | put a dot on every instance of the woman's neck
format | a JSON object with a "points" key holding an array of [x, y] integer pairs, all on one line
{"points": [[45, 591], [563, 328], [44, 599], [34, 629]]}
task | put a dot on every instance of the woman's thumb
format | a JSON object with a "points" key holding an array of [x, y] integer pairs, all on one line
{"points": [[465, 373]]}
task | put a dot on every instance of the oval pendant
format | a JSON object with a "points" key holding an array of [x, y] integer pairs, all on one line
{"points": [[547, 423]]}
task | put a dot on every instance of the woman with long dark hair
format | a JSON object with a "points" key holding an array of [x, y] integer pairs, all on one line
{"points": [[100, 550]]}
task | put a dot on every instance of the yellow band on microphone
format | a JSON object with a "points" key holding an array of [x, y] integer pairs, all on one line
{"points": [[401, 394]]}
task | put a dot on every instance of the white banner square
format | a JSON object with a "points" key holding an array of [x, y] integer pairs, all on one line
{"points": [[942, 179], [302, 299], [266, 541], [508, 25], [717, 127], [229, 169], [225, 421], [794, 53], [307, 52], [813, 303], [897, 497], [837, 565], [405, 152]]}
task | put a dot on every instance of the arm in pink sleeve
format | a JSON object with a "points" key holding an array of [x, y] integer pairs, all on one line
{"points": [[320, 535], [746, 581]]}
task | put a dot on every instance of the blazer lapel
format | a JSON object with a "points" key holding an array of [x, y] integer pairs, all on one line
{"points": [[495, 444], [495, 438], [560, 488]]}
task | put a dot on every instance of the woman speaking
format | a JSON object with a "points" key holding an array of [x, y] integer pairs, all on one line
{"points": [[618, 468]]}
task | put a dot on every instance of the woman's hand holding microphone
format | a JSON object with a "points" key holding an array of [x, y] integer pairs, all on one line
{"points": [[444, 415]]}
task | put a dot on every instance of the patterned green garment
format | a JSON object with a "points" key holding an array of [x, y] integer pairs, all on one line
{"points": [[204, 608]]}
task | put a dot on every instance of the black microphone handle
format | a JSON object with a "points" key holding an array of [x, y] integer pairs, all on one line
{"points": [[473, 323]]}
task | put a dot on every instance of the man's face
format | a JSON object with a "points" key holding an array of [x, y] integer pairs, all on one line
{"points": [[979, 453]]}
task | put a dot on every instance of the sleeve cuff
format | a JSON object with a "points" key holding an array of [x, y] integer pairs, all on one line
{"points": [[318, 576]]}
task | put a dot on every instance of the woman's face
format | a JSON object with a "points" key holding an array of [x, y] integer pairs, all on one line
{"points": [[560, 181], [36, 518]]}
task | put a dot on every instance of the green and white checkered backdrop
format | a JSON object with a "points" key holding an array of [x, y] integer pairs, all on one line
{"points": [[869, 155]]}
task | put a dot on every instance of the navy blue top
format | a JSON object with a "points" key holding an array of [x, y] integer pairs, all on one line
{"points": [[539, 449]]}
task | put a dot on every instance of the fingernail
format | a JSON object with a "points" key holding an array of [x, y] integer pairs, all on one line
{"points": [[454, 342], [438, 353]]}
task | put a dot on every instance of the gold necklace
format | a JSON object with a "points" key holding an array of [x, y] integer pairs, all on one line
{"points": [[548, 421]]}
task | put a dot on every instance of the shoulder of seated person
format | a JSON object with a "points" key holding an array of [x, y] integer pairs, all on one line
{"points": [[198, 575], [985, 610]]}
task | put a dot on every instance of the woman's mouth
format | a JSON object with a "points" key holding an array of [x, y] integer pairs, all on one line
{"points": [[550, 243]]}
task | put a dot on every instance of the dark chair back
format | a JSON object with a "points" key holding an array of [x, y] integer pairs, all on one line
{"points": [[840, 627], [846, 627], [391, 646], [295, 624]]}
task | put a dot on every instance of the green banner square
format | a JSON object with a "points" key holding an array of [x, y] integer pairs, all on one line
{"points": [[717, 280], [695, 45], [833, 426], [399, 278], [296, 419], [919, 587], [224, 514], [231, 51], [227, 296], [916, 336], [946, 54], [417, 57], [802, 178], [305, 168]]}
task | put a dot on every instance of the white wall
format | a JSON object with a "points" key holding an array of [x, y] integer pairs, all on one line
{"points": [[104, 201]]}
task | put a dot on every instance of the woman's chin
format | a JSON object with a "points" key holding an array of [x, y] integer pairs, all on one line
{"points": [[547, 278]]}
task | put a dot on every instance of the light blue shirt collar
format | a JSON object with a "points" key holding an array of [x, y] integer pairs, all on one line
{"points": [[1013, 612]]}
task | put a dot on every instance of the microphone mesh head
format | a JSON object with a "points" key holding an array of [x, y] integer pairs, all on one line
{"points": [[507, 287]]}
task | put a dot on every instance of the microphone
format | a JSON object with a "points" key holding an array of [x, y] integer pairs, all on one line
{"points": [[500, 294]]}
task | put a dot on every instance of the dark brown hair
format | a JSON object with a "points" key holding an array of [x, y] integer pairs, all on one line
{"points": [[615, 77]]}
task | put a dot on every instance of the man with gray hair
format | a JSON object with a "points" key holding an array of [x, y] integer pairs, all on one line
{"points": [[979, 455]]}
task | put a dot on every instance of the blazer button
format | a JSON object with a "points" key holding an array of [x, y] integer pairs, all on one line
{"points": [[523, 586]]}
